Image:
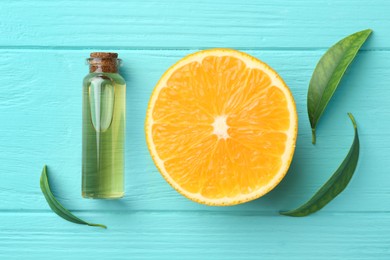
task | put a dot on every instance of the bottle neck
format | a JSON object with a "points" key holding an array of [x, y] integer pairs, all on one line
{"points": [[103, 62], [107, 65]]}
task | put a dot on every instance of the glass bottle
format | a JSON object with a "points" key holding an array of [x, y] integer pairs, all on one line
{"points": [[104, 103]]}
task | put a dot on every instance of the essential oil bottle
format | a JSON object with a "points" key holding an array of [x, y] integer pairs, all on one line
{"points": [[104, 108]]}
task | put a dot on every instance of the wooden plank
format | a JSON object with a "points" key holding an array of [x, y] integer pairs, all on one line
{"points": [[40, 115], [196, 235], [184, 23]]}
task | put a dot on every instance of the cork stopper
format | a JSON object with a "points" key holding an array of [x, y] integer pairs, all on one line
{"points": [[103, 62]]}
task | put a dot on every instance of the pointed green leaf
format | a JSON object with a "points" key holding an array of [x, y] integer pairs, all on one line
{"points": [[328, 73], [335, 185], [56, 206]]}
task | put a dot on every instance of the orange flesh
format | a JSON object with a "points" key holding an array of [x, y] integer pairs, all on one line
{"points": [[220, 128]]}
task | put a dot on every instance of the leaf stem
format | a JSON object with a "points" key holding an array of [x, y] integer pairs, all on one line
{"points": [[353, 120], [313, 136], [97, 225]]}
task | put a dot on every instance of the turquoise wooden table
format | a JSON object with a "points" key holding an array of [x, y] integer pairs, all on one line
{"points": [[43, 46]]}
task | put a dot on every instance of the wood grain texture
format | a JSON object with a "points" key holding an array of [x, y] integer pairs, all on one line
{"points": [[183, 24], [197, 235], [42, 50]]}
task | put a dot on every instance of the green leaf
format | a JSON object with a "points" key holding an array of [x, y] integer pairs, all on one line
{"points": [[56, 206], [335, 185], [328, 73]]}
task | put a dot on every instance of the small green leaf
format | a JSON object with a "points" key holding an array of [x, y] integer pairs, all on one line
{"points": [[335, 185], [328, 73], [56, 206]]}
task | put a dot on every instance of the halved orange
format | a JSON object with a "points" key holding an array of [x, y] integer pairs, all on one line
{"points": [[221, 127]]}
